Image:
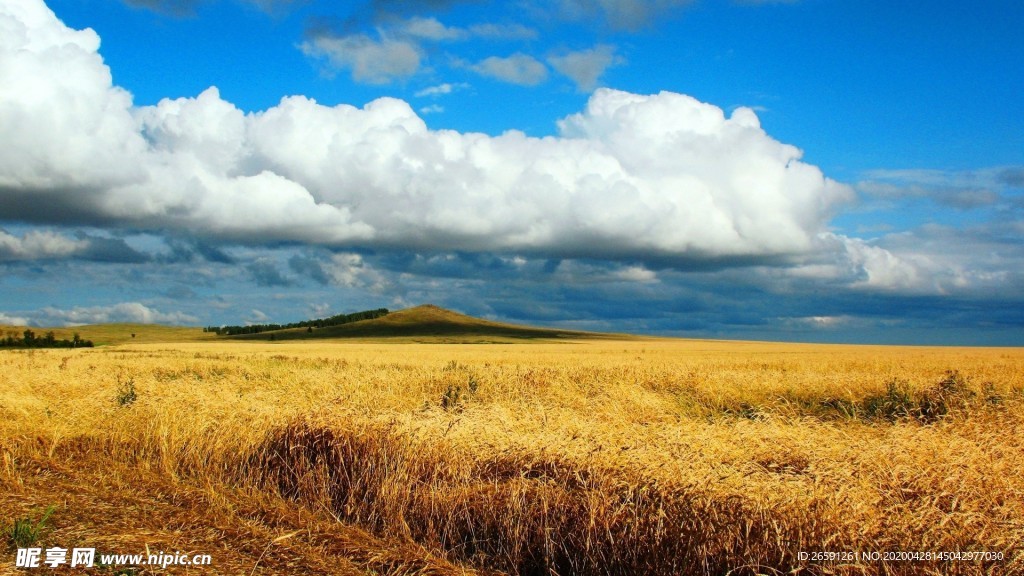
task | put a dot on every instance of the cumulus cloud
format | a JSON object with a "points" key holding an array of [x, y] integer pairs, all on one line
{"points": [[348, 269], [431, 29], [580, 272], [932, 260], [636, 274], [854, 262], [586, 67], [64, 125], [13, 320], [38, 244], [879, 268], [374, 61], [133, 312], [631, 177], [43, 244], [518, 68], [985, 258]]}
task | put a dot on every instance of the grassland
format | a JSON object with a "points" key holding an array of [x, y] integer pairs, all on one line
{"points": [[597, 457]]}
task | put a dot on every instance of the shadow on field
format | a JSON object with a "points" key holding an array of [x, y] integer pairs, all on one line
{"points": [[522, 515]]}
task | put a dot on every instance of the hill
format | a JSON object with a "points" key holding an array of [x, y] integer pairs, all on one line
{"points": [[429, 323], [426, 323]]}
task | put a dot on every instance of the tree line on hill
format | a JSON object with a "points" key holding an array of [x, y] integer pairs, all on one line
{"points": [[49, 340], [308, 324]]}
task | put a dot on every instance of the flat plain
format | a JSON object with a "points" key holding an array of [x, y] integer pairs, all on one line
{"points": [[642, 456]]}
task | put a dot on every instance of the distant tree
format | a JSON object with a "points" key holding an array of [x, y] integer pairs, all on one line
{"points": [[49, 340], [308, 324]]}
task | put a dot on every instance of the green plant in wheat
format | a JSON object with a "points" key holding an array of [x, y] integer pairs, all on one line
{"points": [[25, 532], [126, 393]]}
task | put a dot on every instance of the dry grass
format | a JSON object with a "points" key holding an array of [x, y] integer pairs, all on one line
{"points": [[657, 457]]}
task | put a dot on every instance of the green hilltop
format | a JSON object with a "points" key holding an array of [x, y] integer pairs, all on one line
{"points": [[428, 323]]}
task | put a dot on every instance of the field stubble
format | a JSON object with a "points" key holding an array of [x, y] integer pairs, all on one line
{"points": [[656, 457]]}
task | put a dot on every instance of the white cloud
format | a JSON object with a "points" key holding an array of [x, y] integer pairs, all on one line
{"points": [[133, 312], [825, 321], [865, 265], [586, 67], [580, 273], [38, 244], [257, 317], [441, 89], [64, 124], [348, 269], [432, 109], [374, 61], [13, 320], [431, 29], [319, 310], [636, 274], [518, 68], [881, 269], [631, 177], [396, 50]]}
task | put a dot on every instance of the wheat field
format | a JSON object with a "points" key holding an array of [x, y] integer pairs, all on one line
{"points": [[635, 457]]}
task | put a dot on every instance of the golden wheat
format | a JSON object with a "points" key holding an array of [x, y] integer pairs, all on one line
{"points": [[658, 457]]}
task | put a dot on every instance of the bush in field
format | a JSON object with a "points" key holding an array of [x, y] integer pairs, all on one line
{"points": [[950, 394], [126, 395], [897, 402]]}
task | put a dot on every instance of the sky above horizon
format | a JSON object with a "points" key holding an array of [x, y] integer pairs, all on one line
{"points": [[805, 170]]}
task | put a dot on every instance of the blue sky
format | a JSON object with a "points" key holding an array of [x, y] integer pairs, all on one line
{"points": [[796, 170]]}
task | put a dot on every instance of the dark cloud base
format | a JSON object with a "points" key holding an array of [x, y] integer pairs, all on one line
{"points": [[693, 305]]}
